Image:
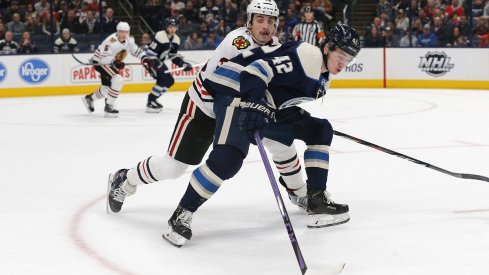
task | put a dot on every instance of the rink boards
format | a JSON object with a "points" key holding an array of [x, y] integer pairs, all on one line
{"points": [[468, 68]]}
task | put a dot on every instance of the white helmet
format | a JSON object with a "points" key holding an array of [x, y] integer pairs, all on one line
{"points": [[266, 7], [123, 26]]}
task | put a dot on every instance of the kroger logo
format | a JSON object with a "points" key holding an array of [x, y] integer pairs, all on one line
{"points": [[3, 72], [34, 71]]}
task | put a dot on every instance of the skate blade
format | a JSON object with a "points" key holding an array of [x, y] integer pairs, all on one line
{"points": [[153, 111], [85, 103], [173, 237], [325, 220], [109, 115], [109, 184]]}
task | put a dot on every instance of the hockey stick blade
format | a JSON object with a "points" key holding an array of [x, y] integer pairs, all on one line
{"points": [[332, 270], [425, 164], [90, 64]]}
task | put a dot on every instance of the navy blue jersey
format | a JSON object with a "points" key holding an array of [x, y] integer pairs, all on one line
{"points": [[163, 47], [284, 75]]}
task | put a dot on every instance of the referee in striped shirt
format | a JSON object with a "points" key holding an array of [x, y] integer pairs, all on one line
{"points": [[310, 30]]}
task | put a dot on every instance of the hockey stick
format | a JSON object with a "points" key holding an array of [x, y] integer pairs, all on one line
{"points": [[89, 64], [179, 69], [388, 151], [283, 211]]}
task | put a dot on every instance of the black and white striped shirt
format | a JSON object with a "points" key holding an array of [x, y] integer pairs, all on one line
{"points": [[311, 33]]}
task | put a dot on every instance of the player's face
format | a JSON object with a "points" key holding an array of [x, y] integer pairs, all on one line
{"points": [[338, 60], [262, 28], [170, 30], [122, 35]]}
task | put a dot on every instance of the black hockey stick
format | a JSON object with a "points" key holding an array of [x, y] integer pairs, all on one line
{"points": [[388, 151], [89, 64], [283, 211]]}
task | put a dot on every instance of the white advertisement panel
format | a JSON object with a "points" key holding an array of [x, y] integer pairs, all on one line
{"points": [[368, 65], [438, 64]]}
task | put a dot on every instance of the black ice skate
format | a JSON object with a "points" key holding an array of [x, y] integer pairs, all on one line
{"points": [[300, 202], [88, 102], [110, 111], [117, 191], [179, 230], [153, 106], [323, 211]]}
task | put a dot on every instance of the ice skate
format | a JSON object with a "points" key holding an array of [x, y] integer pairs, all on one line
{"points": [[153, 106], [323, 211], [300, 202], [117, 190], [179, 230], [88, 102], [110, 111]]}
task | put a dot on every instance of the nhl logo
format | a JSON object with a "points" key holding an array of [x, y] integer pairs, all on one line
{"points": [[435, 63]]}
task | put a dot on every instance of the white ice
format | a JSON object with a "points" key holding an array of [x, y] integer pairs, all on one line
{"points": [[405, 218]]}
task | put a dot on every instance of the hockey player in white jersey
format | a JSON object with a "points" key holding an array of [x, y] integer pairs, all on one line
{"points": [[194, 130], [108, 59], [164, 46]]}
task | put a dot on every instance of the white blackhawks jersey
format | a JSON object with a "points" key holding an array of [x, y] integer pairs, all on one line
{"points": [[111, 48], [235, 43]]}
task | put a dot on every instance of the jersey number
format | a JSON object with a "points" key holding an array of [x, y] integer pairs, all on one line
{"points": [[283, 64], [153, 45]]}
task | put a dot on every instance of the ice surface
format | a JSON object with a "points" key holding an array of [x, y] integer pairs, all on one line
{"points": [[405, 218]]}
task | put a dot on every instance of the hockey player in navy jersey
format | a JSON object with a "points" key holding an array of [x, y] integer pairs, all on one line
{"points": [[194, 130], [258, 91], [164, 46]]}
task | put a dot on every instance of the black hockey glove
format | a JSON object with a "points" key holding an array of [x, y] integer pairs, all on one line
{"points": [[148, 62], [186, 66], [118, 64], [254, 116]]}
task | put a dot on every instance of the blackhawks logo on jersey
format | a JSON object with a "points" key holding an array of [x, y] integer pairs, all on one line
{"points": [[241, 43], [112, 40]]}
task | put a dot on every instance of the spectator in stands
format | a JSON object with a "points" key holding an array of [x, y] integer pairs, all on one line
{"points": [[145, 40], [464, 26], [65, 43], [95, 7], [42, 7], [282, 32], [193, 42], [324, 11], [427, 39], [32, 26], [223, 29], [417, 27], [478, 8], [184, 26], [387, 37], [441, 31], [46, 26], [71, 22], [429, 9], [454, 9], [291, 19], [486, 11], [203, 30], [212, 23], [378, 24], [209, 8], [90, 25], [8, 45], [405, 40], [384, 6], [62, 9], [82, 13], [212, 41], [190, 12], [74, 5], [109, 23], [30, 11], [15, 26], [424, 19], [482, 28], [402, 22], [26, 45], [231, 14], [461, 42], [372, 38], [10, 11], [414, 8], [453, 36], [3, 29]]}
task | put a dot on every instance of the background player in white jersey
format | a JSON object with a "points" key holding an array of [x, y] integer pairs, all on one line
{"points": [[163, 46], [193, 133], [108, 59]]}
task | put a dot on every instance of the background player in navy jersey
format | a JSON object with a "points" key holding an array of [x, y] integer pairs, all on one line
{"points": [[163, 46], [194, 130], [259, 90]]}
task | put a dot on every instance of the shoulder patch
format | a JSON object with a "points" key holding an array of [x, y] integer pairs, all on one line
{"points": [[241, 43], [112, 40]]}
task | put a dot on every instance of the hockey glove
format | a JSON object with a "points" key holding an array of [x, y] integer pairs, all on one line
{"points": [[254, 116], [186, 66], [148, 62], [118, 64]]}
